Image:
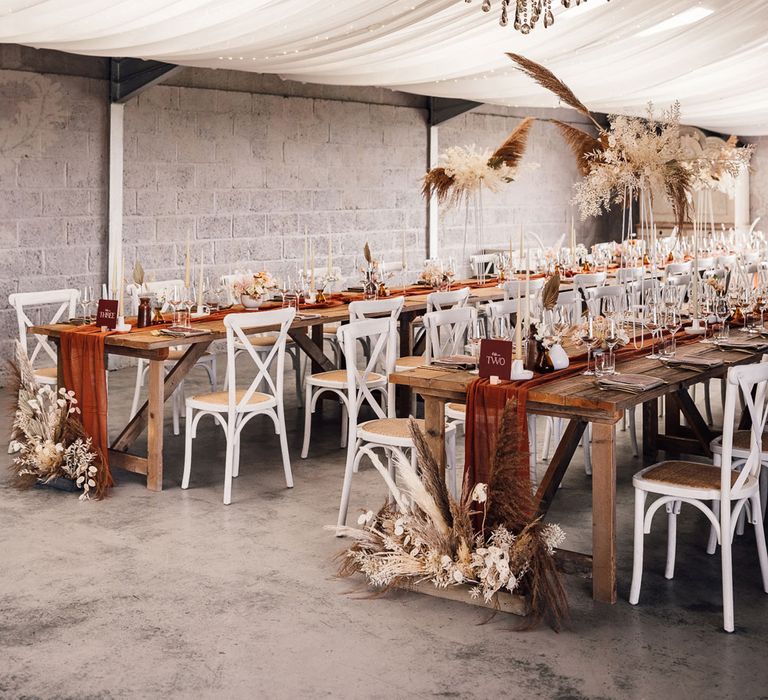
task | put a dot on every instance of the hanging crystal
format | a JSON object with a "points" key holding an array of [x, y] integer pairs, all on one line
{"points": [[528, 12]]}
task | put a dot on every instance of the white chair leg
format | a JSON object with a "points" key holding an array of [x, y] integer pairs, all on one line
{"points": [[637, 562], [532, 449], [175, 408], [228, 466], [760, 540], [450, 460], [633, 432], [236, 458], [707, 403], [307, 421], [763, 488], [712, 543], [347, 485], [548, 427], [284, 448], [673, 510], [587, 452], [187, 449], [726, 563], [344, 426], [137, 389], [740, 523], [296, 359]]}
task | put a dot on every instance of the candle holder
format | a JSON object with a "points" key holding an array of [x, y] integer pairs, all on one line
{"points": [[320, 297], [121, 326], [519, 373]]}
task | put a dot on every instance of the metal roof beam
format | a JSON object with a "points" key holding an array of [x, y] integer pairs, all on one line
{"points": [[130, 76], [441, 109]]}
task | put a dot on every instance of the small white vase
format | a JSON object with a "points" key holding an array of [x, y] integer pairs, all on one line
{"points": [[250, 302], [559, 357]]}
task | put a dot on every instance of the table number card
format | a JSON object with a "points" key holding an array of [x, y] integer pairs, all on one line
{"points": [[106, 314], [496, 358]]}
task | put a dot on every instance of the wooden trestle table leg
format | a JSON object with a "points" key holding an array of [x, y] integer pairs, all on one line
{"points": [[434, 419], [604, 512], [156, 380]]}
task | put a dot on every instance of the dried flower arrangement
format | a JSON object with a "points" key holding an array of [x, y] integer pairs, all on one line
{"points": [[436, 275], [47, 440], [719, 166], [631, 156], [465, 170], [256, 285], [488, 541]]}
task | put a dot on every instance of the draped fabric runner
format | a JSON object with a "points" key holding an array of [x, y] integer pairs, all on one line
{"points": [[82, 357], [485, 406]]}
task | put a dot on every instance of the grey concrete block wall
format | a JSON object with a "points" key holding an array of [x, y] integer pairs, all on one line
{"points": [[53, 175]]}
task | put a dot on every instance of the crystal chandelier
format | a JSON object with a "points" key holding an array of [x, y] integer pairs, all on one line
{"points": [[528, 12]]}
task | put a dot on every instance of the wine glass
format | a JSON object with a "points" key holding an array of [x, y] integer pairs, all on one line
{"points": [[722, 312], [674, 322], [651, 318], [611, 340], [475, 335], [86, 301], [588, 336]]}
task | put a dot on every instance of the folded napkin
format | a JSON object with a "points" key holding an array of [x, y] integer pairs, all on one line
{"points": [[741, 344], [633, 383], [693, 361], [457, 361]]}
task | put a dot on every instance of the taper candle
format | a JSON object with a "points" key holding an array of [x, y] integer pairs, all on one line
{"points": [[518, 327], [120, 286], [573, 244], [200, 286], [330, 257], [312, 263], [306, 246], [527, 290]]}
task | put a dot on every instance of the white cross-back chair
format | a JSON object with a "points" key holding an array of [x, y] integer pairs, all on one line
{"points": [[629, 274], [64, 302], [596, 297], [234, 408], [730, 491], [484, 264], [207, 362], [516, 288], [584, 281], [385, 432], [335, 381], [682, 268], [436, 301]]}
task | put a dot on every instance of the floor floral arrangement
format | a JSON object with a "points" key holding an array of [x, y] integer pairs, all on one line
{"points": [[47, 439], [488, 541]]}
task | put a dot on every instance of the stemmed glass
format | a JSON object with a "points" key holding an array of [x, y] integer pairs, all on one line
{"points": [[86, 302], [674, 322], [652, 321], [589, 337], [475, 335], [722, 313], [611, 340]]}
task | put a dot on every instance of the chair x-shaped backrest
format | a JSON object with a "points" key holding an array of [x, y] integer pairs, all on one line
{"points": [[447, 331], [437, 301], [360, 310], [22, 301], [236, 324], [751, 381], [380, 335]]}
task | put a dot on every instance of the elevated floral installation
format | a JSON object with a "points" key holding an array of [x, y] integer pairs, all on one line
{"points": [[47, 439], [465, 170], [719, 165], [629, 159], [486, 542]]}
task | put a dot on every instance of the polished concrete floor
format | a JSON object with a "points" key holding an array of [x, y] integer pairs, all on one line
{"points": [[174, 595]]}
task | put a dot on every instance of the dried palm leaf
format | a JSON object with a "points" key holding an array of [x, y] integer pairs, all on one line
{"points": [[550, 292], [138, 274], [511, 151], [677, 183], [548, 80], [430, 473], [580, 142], [733, 141], [510, 503], [367, 253], [437, 182]]}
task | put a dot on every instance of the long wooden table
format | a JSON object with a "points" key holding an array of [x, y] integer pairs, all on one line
{"points": [[307, 332], [581, 401]]}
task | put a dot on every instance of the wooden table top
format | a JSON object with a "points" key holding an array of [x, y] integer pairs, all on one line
{"points": [[149, 340], [579, 395]]}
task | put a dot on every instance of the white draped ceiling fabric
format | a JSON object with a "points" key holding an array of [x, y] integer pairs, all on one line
{"points": [[711, 55]]}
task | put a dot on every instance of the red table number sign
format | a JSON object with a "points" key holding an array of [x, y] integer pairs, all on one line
{"points": [[496, 358], [106, 314]]}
